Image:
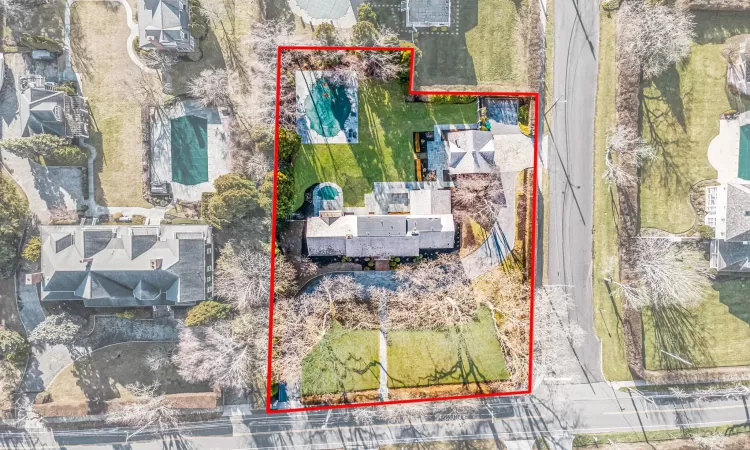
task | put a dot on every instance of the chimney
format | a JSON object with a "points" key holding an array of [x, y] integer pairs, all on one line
{"points": [[86, 260], [34, 278], [156, 263]]}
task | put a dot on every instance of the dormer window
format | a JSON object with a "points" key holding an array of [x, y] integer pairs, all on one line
{"points": [[183, 35], [183, 7]]}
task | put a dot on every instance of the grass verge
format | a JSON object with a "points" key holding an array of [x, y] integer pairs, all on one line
{"points": [[607, 307]]}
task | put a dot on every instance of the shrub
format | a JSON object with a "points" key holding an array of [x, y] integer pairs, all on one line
{"points": [[33, 249], [116, 216], [67, 155], [13, 347], [289, 144], [35, 42], [129, 314], [70, 90], [205, 201], [706, 232], [139, 220], [523, 114], [231, 181], [207, 312], [198, 24], [366, 14]]}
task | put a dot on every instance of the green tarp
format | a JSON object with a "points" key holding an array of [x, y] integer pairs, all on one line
{"points": [[190, 150]]}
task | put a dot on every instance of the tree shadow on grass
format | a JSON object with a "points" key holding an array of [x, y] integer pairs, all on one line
{"points": [[733, 293], [679, 331], [716, 27]]}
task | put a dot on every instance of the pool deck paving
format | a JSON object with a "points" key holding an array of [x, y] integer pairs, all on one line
{"points": [[724, 149]]}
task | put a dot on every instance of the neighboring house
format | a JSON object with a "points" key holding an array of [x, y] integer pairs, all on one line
{"points": [[164, 25], [728, 213], [126, 266], [399, 219], [44, 109]]}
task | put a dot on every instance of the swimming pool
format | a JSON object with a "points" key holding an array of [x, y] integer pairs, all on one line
{"points": [[744, 162], [328, 192], [327, 107]]}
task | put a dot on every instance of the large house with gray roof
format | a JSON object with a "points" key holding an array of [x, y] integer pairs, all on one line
{"points": [[398, 219], [728, 213], [126, 265], [164, 25]]}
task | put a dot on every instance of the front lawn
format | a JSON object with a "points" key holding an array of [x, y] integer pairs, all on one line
{"points": [[681, 111], [384, 151], [104, 374], [109, 78], [429, 357], [344, 361], [715, 334]]}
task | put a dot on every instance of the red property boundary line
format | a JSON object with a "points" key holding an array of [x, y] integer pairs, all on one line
{"points": [[534, 95]]}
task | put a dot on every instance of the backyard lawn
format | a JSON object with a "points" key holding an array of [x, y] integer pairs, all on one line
{"points": [[485, 44], [606, 308], [108, 79], [681, 111], [429, 357], [384, 151], [105, 374], [344, 361], [714, 334]]}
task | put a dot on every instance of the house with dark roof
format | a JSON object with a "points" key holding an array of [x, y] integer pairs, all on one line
{"points": [[164, 25], [728, 212], [126, 266], [399, 219], [45, 109]]}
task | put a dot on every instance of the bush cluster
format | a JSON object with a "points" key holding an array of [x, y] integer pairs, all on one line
{"points": [[207, 312]]}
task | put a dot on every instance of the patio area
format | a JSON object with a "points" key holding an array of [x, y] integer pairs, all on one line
{"points": [[725, 151]]}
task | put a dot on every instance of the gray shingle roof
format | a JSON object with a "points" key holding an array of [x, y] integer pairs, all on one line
{"points": [[738, 212], [123, 269]]}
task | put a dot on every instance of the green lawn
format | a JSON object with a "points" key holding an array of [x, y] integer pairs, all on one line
{"points": [[606, 308], [384, 151], [423, 358], [680, 118], [344, 361], [714, 334], [108, 77]]}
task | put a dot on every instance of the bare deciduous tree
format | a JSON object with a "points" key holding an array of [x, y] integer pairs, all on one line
{"points": [[211, 87], [667, 274], [432, 294], [256, 167], [150, 409], [159, 357], [656, 35], [480, 196], [242, 276], [625, 153], [226, 355], [60, 328], [713, 441]]}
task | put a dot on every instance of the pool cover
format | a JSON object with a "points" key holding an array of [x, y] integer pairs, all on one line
{"points": [[744, 162], [189, 150]]}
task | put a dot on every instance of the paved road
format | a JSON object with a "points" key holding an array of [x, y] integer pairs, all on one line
{"points": [[589, 408], [571, 148]]}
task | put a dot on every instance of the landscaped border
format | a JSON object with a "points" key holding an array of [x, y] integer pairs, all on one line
{"points": [[532, 271]]}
